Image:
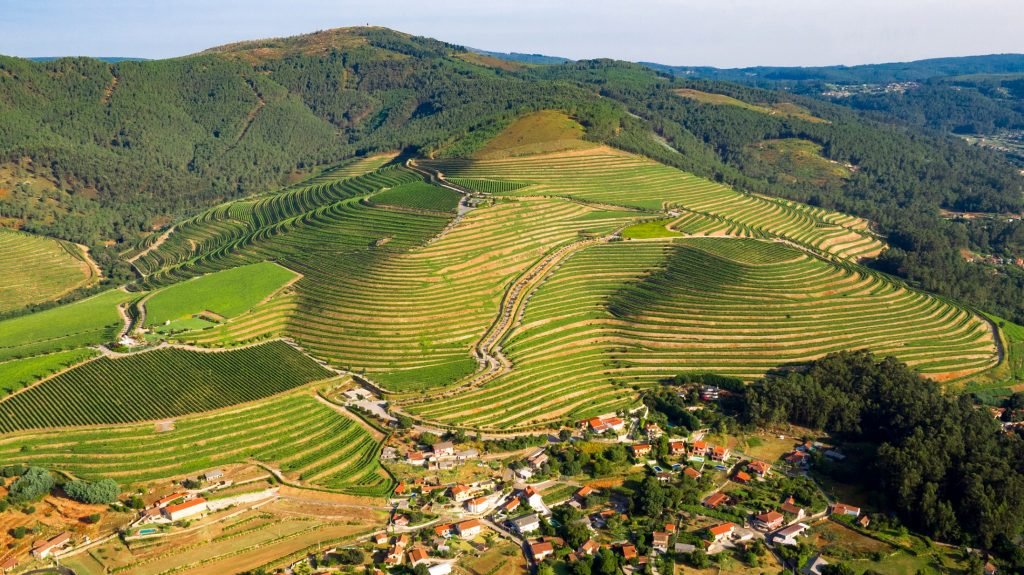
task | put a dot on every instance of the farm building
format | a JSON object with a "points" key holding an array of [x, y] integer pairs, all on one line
{"points": [[186, 509], [844, 509], [44, 549]]}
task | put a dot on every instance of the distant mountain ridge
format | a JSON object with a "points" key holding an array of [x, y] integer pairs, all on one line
{"points": [[107, 59]]}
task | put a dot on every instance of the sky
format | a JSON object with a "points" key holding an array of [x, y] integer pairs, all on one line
{"points": [[723, 33]]}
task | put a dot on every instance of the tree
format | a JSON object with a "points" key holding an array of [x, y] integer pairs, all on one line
{"points": [[650, 498], [421, 569], [93, 518], [606, 563], [584, 566], [32, 485], [565, 435], [103, 491], [18, 532]]}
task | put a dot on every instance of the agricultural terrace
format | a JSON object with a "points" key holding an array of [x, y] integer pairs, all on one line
{"points": [[307, 440], [161, 383], [221, 295], [419, 196], [85, 322], [17, 373], [38, 269], [357, 260], [604, 321], [611, 176]]}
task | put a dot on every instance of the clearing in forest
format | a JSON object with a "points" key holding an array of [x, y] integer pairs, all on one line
{"points": [[537, 133], [778, 108]]}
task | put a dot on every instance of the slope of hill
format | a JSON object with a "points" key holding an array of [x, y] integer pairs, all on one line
{"points": [[38, 269]]}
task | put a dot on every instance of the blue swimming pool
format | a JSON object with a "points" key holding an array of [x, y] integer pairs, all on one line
{"points": [[147, 531]]}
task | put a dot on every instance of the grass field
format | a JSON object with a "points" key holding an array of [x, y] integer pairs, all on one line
{"points": [[419, 195], [603, 322], [17, 373], [648, 230], [781, 108], [308, 441], [86, 322], [38, 269], [225, 293], [615, 177], [539, 132], [158, 384]]}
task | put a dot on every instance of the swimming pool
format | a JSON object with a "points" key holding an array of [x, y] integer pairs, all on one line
{"points": [[147, 531]]}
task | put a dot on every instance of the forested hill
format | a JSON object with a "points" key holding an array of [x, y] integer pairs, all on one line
{"points": [[132, 146]]}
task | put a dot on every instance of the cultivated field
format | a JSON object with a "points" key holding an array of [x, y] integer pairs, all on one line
{"points": [[158, 384], [614, 177], [310, 442], [418, 195], [630, 313], [39, 269]]}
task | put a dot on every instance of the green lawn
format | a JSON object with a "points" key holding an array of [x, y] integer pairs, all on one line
{"points": [[226, 293], [646, 230]]}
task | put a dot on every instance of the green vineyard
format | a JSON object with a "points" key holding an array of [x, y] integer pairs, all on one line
{"points": [[603, 323], [290, 431], [419, 195], [38, 269], [618, 178], [158, 384]]}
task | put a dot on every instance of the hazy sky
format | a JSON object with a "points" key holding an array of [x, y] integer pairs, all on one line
{"points": [[692, 32]]}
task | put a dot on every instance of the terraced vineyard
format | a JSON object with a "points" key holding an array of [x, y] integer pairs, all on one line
{"points": [[630, 313], [157, 384], [309, 441], [38, 269], [614, 177], [419, 195]]}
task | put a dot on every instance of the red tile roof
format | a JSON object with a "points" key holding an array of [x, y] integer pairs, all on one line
{"points": [[722, 529], [186, 505]]}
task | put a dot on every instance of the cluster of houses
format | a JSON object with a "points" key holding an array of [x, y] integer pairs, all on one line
{"points": [[532, 464], [442, 455]]}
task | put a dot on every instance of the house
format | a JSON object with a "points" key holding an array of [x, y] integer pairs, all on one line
{"points": [[524, 473], [790, 506], [460, 493], [165, 501], [470, 529], [540, 551], [395, 554], [788, 535], [402, 540], [709, 393], [380, 538], [535, 500], [418, 555], [990, 569], [768, 521], [511, 505], [214, 475], [659, 541], [670, 528], [721, 532], [628, 551], [440, 569], [478, 505], [526, 523], [388, 454], [603, 424], [715, 499], [720, 453], [742, 477], [590, 547], [759, 468], [640, 449], [798, 459], [653, 431], [443, 449], [844, 509], [583, 493], [415, 458], [691, 473], [813, 566], [9, 563], [864, 521], [44, 549], [400, 520], [700, 448], [444, 530], [537, 459], [676, 447], [186, 509], [467, 454]]}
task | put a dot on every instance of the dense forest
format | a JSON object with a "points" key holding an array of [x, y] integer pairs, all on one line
{"points": [[941, 462], [134, 145]]}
